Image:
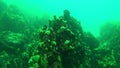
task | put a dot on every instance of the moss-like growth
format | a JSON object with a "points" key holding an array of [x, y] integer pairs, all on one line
{"points": [[59, 42]]}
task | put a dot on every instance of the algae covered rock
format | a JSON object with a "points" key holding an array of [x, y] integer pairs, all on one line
{"points": [[110, 41], [12, 41], [12, 19], [60, 43]]}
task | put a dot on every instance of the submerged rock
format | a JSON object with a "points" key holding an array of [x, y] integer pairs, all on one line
{"points": [[11, 41]]}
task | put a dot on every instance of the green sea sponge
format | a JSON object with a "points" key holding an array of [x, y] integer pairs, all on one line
{"points": [[66, 42], [71, 47], [48, 32], [34, 58], [54, 43], [62, 27]]}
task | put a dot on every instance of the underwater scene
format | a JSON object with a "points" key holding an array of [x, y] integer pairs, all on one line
{"points": [[59, 34]]}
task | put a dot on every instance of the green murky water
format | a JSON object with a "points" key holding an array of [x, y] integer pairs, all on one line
{"points": [[59, 34]]}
